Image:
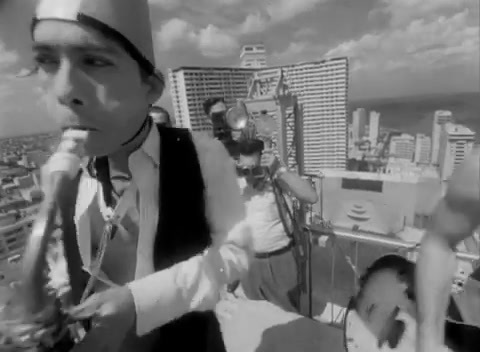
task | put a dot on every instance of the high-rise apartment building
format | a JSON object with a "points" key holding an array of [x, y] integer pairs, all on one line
{"points": [[423, 147], [373, 128], [440, 118], [253, 56], [321, 88], [322, 91], [456, 141], [359, 122], [191, 86], [13, 235], [402, 147]]}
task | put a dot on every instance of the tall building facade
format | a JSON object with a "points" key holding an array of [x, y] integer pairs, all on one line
{"points": [[359, 123], [423, 145], [440, 118], [403, 146], [373, 128], [321, 88], [456, 141], [322, 91], [253, 56], [191, 86], [13, 235]]}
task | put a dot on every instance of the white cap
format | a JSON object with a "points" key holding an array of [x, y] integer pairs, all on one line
{"points": [[127, 21]]}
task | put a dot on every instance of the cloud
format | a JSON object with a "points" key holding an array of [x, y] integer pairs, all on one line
{"points": [[421, 44], [254, 23], [402, 12], [291, 53], [4, 91], [211, 41], [225, 20], [26, 72], [7, 57], [305, 32], [284, 10], [166, 4], [215, 38], [173, 33], [7, 60]]}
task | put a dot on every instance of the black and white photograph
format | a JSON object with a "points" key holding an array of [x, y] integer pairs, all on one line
{"points": [[239, 175]]}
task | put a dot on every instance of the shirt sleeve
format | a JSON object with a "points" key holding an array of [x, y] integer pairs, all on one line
{"points": [[194, 285]]}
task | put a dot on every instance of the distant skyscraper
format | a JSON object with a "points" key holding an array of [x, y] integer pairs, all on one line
{"points": [[321, 88], [350, 141], [253, 56], [373, 128], [440, 118], [402, 147], [13, 236], [423, 146], [456, 141], [190, 86], [322, 91], [359, 121]]}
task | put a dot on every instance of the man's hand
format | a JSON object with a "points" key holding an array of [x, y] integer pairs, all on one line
{"points": [[271, 162], [113, 315]]}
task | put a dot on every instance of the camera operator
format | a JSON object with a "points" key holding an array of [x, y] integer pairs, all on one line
{"points": [[272, 275], [216, 110]]}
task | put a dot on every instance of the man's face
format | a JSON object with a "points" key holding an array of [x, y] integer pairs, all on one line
{"points": [[249, 167], [90, 82], [218, 108], [217, 116]]}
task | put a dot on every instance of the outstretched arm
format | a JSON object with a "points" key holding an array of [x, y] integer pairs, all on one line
{"points": [[194, 285], [290, 182], [298, 187], [455, 218]]}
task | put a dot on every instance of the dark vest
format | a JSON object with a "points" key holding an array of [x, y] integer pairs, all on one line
{"points": [[184, 232]]}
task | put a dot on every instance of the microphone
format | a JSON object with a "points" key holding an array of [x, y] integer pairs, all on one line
{"points": [[58, 175]]}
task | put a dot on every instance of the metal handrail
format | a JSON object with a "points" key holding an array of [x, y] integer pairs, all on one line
{"points": [[319, 230], [334, 312]]}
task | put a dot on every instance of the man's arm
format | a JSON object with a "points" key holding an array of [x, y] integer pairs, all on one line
{"points": [[455, 218], [194, 285], [298, 187]]}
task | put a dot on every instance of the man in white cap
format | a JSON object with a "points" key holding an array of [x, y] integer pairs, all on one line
{"points": [[165, 202]]}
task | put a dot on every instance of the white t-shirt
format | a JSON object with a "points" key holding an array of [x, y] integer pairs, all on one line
{"points": [[263, 216]]}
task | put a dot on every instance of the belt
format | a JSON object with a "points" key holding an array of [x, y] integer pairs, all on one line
{"points": [[275, 252]]}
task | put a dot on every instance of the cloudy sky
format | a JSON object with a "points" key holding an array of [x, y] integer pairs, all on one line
{"points": [[396, 47]]}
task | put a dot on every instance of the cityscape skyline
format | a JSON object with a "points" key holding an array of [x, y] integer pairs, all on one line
{"points": [[321, 88], [397, 157], [312, 75], [309, 32]]}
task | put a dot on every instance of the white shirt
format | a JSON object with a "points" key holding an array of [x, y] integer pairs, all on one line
{"points": [[263, 217], [192, 285]]}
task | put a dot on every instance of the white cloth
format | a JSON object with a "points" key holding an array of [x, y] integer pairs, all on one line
{"points": [[192, 285], [263, 217]]}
